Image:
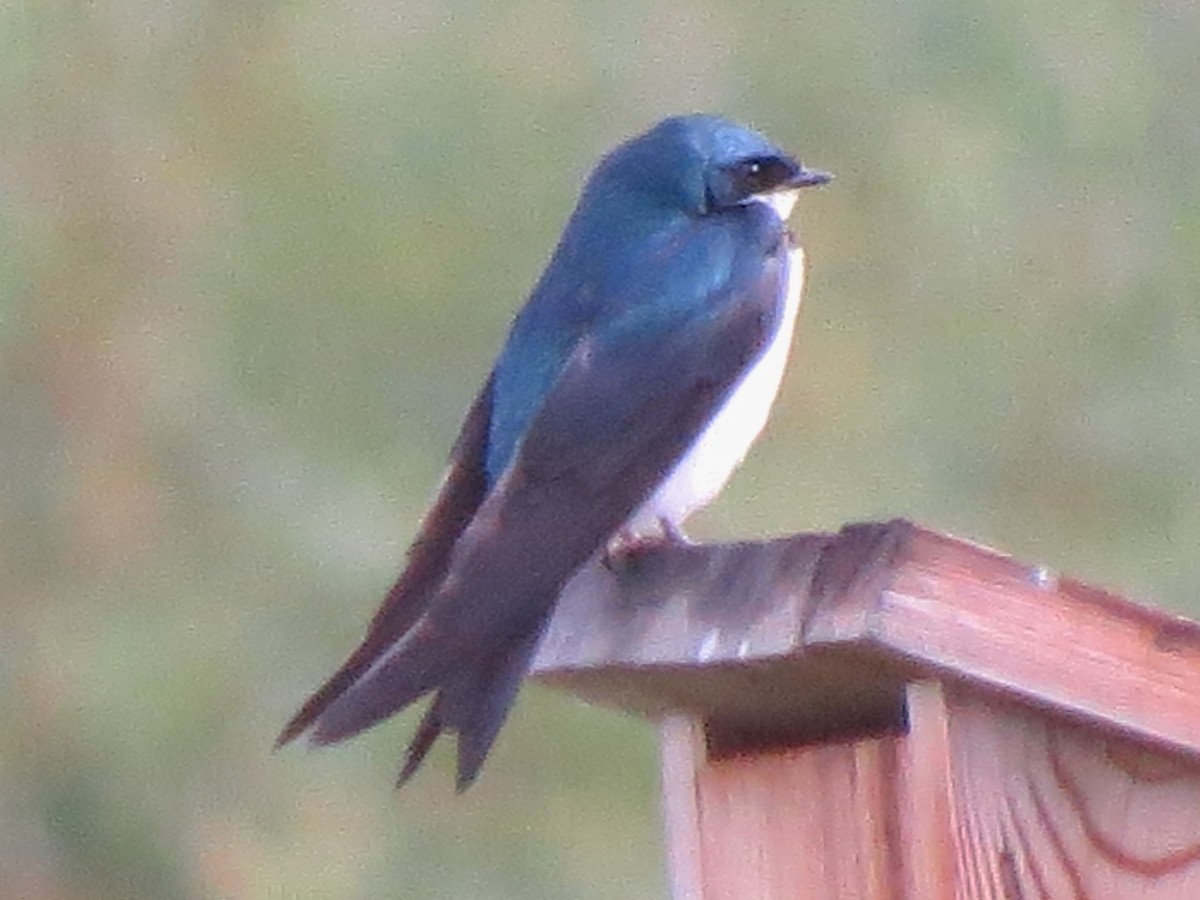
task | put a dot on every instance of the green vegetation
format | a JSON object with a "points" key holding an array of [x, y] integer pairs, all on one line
{"points": [[257, 256]]}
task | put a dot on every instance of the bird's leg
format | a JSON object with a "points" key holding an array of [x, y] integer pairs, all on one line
{"points": [[625, 545]]}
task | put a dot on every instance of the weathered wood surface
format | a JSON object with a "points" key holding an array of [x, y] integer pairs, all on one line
{"points": [[817, 630], [798, 822], [1046, 808], [891, 713], [980, 800]]}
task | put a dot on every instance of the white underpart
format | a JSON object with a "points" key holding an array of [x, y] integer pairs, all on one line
{"points": [[781, 201], [701, 474]]}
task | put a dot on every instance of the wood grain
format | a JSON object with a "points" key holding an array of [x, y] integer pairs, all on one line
{"points": [[958, 610], [926, 824], [681, 746], [807, 822], [1047, 809], [819, 625], [981, 799], [893, 713]]}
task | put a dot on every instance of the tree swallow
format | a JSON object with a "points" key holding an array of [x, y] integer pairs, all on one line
{"points": [[630, 387]]}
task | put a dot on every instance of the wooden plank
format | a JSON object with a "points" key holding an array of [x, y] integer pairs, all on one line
{"points": [[816, 626], [782, 671], [953, 607], [926, 829], [689, 628], [981, 799], [1046, 808], [807, 822], [681, 747]]}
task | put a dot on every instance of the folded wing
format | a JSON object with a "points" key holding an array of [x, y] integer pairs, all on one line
{"points": [[465, 618]]}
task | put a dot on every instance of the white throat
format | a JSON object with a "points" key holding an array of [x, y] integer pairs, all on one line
{"points": [[783, 202]]}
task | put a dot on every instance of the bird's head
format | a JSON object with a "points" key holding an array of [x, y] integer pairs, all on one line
{"points": [[699, 163]]}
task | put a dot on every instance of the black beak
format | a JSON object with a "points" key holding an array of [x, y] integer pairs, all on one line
{"points": [[805, 178]]}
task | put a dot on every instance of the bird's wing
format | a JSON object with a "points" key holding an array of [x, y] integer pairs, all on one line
{"points": [[628, 404], [486, 570], [463, 488]]}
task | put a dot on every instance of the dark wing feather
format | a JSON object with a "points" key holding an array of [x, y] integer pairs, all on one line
{"points": [[463, 488], [627, 406]]}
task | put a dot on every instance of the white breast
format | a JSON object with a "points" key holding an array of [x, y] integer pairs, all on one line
{"points": [[701, 474]]}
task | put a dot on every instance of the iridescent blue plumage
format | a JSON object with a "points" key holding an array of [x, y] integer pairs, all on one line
{"points": [[629, 388], [643, 197]]}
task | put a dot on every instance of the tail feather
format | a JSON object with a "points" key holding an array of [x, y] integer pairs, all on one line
{"points": [[479, 703], [474, 692], [462, 491], [397, 681], [427, 733]]}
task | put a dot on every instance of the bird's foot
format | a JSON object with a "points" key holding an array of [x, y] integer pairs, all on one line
{"points": [[626, 547]]}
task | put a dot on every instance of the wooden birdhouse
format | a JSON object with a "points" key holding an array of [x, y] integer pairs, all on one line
{"points": [[893, 713]]}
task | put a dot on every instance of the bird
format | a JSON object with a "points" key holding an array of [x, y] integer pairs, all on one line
{"points": [[629, 388]]}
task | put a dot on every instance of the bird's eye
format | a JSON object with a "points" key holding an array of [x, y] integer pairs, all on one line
{"points": [[751, 176], [758, 175]]}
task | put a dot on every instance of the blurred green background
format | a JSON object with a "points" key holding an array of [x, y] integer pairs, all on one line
{"points": [[258, 255]]}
